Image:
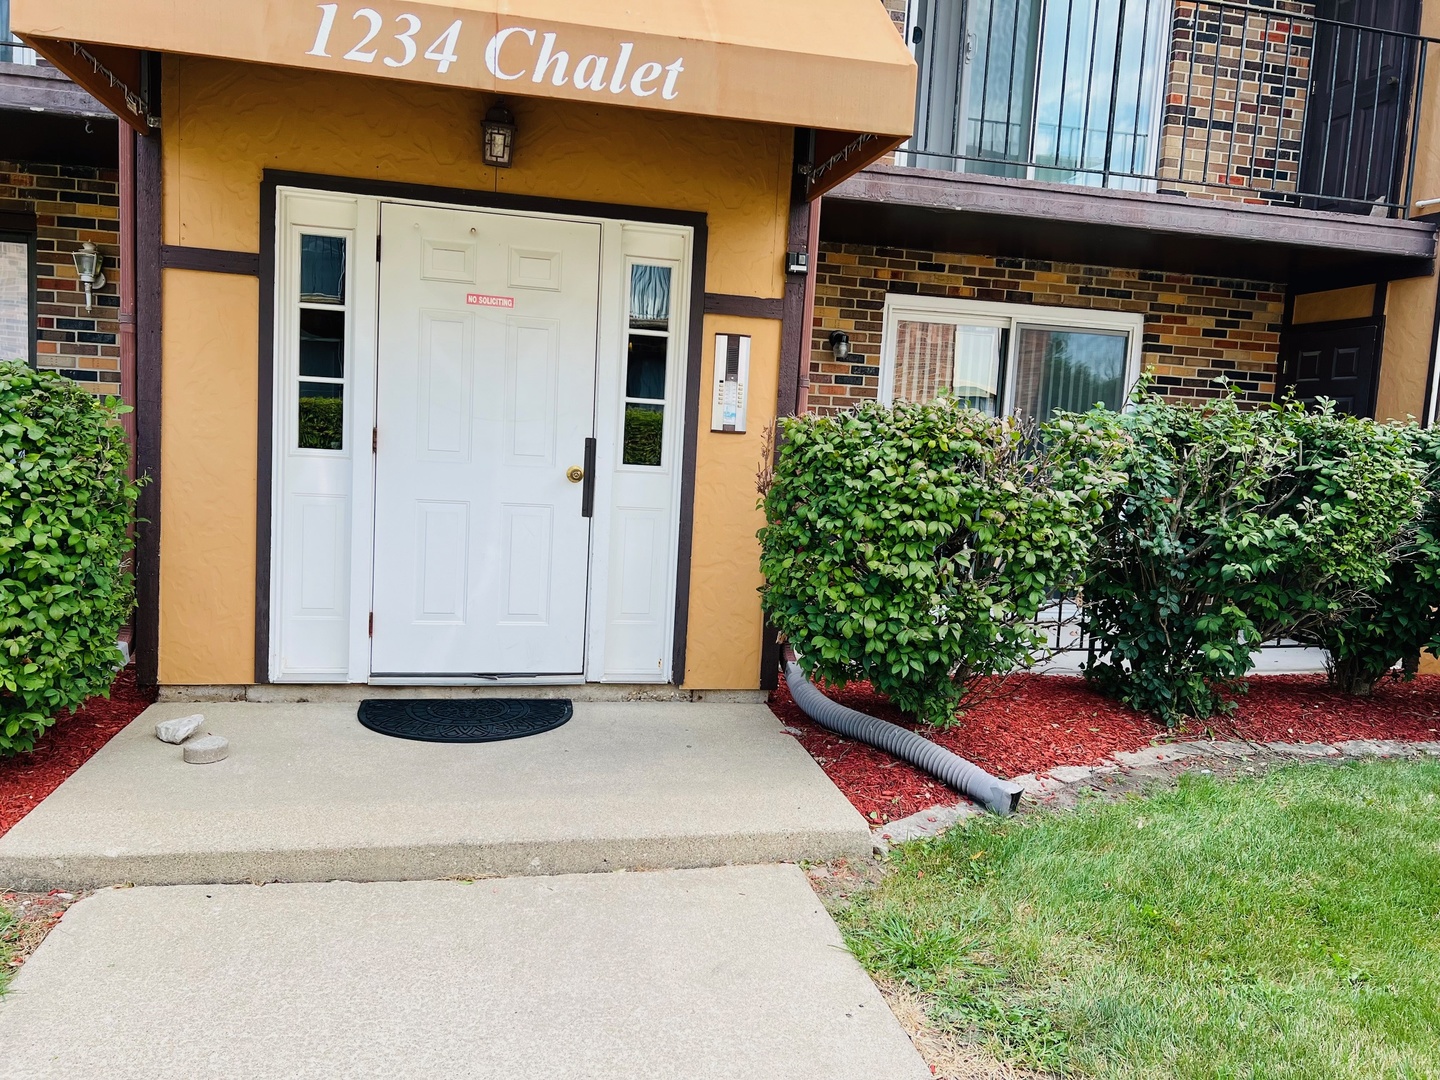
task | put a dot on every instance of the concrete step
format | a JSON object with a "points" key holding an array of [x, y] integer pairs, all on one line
{"points": [[308, 795]]}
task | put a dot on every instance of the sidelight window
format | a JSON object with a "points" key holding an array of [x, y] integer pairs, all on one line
{"points": [[647, 363], [322, 324]]}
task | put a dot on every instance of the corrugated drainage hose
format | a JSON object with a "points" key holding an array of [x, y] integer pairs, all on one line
{"points": [[996, 795]]}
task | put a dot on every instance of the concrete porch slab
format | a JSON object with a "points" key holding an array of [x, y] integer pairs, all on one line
{"points": [[307, 794], [704, 974]]}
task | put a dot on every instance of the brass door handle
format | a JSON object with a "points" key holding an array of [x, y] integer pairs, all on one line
{"points": [[575, 474]]}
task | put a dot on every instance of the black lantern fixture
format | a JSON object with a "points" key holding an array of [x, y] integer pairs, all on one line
{"points": [[840, 344], [498, 136]]}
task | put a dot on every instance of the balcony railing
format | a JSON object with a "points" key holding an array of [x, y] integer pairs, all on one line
{"points": [[1274, 101]]}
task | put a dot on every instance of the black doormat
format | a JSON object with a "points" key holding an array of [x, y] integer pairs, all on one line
{"points": [[464, 721]]}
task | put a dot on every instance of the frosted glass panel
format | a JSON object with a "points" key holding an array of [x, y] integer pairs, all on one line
{"points": [[14, 300]]}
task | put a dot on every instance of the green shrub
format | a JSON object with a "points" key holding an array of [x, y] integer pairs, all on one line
{"points": [[1235, 526], [1392, 624], [914, 545], [644, 429], [322, 423], [65, 504]]}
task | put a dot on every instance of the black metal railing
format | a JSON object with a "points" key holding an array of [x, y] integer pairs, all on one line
{"points": [[1309, 104]]}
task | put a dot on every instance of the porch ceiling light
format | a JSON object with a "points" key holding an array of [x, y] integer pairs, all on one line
{"points": [[89, 267], [840, 344], [498, 136]]}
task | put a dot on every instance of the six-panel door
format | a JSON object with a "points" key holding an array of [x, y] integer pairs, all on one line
{"points": [[486, 394]]}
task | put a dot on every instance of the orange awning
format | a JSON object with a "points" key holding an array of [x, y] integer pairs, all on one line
{"points": [[837, 66]]}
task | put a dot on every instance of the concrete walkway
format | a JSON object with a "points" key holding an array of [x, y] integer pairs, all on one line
{"points": [[700, 974], [307, 794]]}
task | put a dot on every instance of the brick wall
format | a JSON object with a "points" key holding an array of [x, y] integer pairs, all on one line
{"points": [[72, 204], [1235, 100], [1196, 328]]}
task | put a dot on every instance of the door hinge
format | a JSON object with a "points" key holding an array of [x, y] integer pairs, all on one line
{"points": [[377, 247], [374, 440], [372, 624]]}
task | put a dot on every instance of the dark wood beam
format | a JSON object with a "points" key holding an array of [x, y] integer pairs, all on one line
{"points": [[148, 298], [1169, 215], [746, 307]]}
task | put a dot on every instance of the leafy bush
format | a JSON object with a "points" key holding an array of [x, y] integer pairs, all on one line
{"points": [[644, 429], [65, 504], [1234, 526], [1395, 622], [914, 545], [322, 423]]}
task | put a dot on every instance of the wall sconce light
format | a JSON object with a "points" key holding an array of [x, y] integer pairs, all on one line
{"points": [[498, 136], [89, 267], [840, 344]]}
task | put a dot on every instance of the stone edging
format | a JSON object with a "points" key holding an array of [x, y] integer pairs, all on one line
{"points": [[1061, 785]]}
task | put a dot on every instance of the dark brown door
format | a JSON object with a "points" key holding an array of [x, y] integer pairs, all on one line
{"points": [[1355, 122], [1337, 362]]}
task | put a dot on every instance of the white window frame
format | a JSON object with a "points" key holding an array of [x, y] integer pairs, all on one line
{"points": [[1010, 317]]}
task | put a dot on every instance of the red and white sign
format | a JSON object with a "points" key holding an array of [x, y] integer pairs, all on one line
{"points": [[476, 299]]}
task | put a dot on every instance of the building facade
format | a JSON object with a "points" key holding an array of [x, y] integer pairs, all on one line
{"points": [[1215, 193], [460, 330]]}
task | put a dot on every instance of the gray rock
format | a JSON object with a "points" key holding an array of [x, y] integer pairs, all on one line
{"points": [[206, 749], [1071, 774], [180, 729]]}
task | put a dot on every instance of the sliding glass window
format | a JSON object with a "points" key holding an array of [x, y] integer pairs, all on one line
{"points": [[1057, 90], [1018, 359]]}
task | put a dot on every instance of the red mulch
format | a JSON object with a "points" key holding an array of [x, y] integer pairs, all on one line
{"points": [[28, 778], [1036, 722]]}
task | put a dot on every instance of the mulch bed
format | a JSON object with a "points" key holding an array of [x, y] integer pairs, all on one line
{"points": [[1036, 722], [28, 778]]}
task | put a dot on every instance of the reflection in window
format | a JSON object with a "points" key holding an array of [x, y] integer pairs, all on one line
{"points": [[647, 365], [1071, 370], [963, 360], [322, 416], [1062, 91], [322, 343], [650, 298], [322, 269]]}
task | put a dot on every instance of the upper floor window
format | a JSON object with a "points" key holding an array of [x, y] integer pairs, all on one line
{"points": [[1008, 358], [11, 51], [1061, 90]]}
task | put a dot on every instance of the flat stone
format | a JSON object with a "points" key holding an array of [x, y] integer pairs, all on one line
{"points": [[179, 729], [1314, 749], [1156, 755], [1374, 748], [206, 750], [931, 822], [1071, 774], [699, 974]]}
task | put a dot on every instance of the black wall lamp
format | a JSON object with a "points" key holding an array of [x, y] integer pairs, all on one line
{"points": [[498, 136], [840, 344]]}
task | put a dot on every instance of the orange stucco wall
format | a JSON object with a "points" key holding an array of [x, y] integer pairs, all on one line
{"points": [[225, 123]]}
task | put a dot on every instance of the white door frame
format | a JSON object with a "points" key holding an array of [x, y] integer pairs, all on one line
{"points": [[623, 242]]}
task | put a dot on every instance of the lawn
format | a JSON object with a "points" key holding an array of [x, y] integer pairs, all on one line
{"points": [[1280, 926]]}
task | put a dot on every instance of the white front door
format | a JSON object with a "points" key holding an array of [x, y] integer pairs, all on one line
{"points": [[485, 397]]}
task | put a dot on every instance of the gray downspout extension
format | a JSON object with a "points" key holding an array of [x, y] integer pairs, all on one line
{"points": [[999, 796]]}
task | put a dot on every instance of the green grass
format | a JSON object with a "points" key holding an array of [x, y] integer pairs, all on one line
{"points": [[1286, 926], [7, 929]]}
